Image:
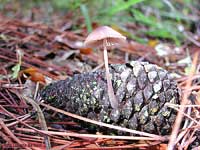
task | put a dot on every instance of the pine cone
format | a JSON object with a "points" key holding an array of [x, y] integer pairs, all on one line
{"points": [[142, 90]]}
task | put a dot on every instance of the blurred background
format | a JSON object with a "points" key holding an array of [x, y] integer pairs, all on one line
{"points": [[140, 20]]}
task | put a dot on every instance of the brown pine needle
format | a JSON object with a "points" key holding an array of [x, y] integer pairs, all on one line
{"points": [[155, 137], [184, 102]]}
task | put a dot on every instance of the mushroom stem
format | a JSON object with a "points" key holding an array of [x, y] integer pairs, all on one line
{"points": [[111, 95]]}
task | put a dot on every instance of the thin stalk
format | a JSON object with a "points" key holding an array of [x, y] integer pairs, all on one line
{"points": [[111, 95]]}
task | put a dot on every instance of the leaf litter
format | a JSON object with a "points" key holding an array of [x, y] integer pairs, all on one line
{"points": [[51, 53]]}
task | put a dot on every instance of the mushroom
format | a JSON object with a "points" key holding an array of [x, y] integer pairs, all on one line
{"points": [[102, 37]]}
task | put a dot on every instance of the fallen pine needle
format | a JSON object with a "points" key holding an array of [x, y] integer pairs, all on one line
{"points": [[155, 137]]}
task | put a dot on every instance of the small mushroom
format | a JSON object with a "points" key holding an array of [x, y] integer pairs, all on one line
{"points": [[102, 37]]}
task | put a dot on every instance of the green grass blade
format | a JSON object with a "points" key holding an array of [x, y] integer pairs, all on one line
{"points": [[122, 6], [162, 33], [150, 20], [85, 13]]}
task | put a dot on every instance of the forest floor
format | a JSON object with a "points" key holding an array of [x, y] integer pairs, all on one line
{"points": [[34, 54]]}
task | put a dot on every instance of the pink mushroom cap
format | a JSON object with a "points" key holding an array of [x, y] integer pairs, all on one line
{"points": [[95, 38]]}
